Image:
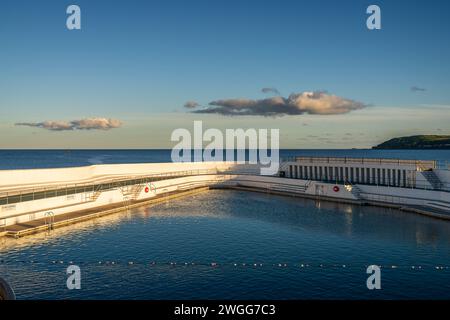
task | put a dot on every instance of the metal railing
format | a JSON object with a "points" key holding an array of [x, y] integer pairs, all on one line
{"points": [[404, 200], [31, 194], [387, 198], [409, 183], [430, 164], [12, 197], [49, 216]]}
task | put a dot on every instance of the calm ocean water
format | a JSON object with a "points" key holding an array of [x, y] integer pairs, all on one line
{"points": [[303, 249], [28, 159]]}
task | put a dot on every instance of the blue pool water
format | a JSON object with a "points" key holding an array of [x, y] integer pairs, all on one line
{"points": [[206, 246], [173, 248]]}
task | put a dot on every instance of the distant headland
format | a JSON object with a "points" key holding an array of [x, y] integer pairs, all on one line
{"points": [[417, 142]]}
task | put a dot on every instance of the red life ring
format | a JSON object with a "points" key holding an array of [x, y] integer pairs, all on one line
{"points": [[147, 189], [336, 189]]}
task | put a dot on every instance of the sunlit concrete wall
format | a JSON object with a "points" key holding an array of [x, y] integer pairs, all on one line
{"points": [[37, 209], [312, 188], [48, 177], [405, 196]]}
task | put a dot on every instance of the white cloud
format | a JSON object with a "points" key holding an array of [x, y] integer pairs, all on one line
{"points": [[317, 102], [83, 124]]}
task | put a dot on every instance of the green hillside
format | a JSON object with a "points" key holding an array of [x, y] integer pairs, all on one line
{"points": [[417, 142]]}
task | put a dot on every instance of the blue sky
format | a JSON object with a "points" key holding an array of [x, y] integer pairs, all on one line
{"points": [[140, 61]]}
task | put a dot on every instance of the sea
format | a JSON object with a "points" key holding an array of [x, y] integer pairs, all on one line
{"points": [[224, 244]]}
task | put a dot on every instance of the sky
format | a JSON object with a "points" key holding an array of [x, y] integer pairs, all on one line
{"points": [[137, 70]]}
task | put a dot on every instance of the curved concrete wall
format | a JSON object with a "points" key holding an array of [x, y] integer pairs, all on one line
{"points": [[31, 210], [45, 177]]}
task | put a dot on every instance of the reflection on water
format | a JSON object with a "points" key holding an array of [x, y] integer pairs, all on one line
{"points": [[173, 244], [90, 226]]}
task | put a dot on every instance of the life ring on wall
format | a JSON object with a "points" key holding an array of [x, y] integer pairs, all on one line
{"points": [[336, 189], [150, 187]]}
